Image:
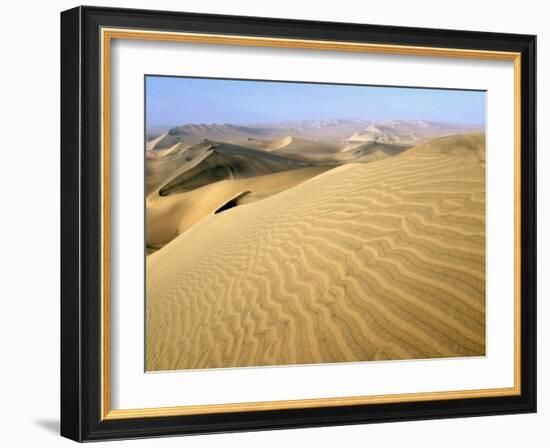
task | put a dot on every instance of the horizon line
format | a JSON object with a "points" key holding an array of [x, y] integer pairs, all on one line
{"points": [[267, 123]]}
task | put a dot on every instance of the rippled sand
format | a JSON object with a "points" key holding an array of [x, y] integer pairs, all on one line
{"points": [[365, 261]]}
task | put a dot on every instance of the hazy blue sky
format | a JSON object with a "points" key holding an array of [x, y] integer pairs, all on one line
{"points": [[176, 101]]}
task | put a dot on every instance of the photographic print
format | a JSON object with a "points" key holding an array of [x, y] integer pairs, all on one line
{"points": [[297, 223]]}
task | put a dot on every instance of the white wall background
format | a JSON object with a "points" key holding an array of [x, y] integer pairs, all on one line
{"points": [[29, 224]]}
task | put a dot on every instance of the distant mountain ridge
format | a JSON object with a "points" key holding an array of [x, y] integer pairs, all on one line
{"points": [[404, 132]]}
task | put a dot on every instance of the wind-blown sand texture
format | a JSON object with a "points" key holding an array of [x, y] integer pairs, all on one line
{"points": [[364, 261]]}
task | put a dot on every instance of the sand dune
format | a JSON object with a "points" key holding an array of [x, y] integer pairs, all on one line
{"points": [[297, 148], [189, 183], [384, 260], [162, 166], [229, 133], [220, 161], [407, 132], [184, 167], [365, 152], [169, 216], [470, 145], [290, 144], [281, 143], [372, 156], [152, 143]]}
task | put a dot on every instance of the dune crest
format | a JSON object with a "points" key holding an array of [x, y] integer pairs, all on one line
{"points": [[279, 144], [471, 145]]}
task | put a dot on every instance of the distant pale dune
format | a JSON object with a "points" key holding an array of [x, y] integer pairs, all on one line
{"points": [[364, 261]]}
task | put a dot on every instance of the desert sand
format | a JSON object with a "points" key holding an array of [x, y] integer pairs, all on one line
{"points": [[259, 258]]}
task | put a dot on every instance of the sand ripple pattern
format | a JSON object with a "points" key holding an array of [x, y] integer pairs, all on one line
{"points": [[378, 261]]}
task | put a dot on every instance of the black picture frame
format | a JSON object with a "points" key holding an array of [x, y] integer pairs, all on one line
{"points": [[81, 224]]}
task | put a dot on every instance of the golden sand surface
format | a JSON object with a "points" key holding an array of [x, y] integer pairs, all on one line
{"points": [[366, 261]]}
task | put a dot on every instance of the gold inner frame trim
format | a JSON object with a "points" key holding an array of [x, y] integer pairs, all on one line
{"points": [[107, 35]]}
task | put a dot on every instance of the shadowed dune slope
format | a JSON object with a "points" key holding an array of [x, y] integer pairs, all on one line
{"points": [[194, 133], [220, 161], [365, 152], [304, 148], [169, 216], [297, 148], [163, 165], [184, 183], [374, 261]]}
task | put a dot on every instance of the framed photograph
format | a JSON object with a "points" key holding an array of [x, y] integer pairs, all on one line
{"points": [[273, 223]]}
